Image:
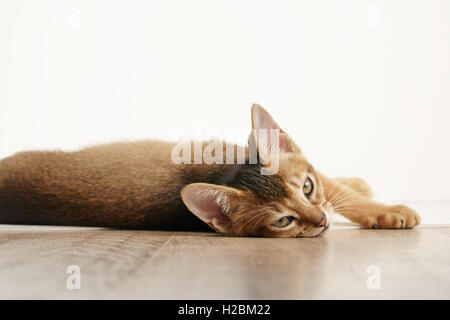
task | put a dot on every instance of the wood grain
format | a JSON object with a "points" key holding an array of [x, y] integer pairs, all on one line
{"points": [[166, 265]]}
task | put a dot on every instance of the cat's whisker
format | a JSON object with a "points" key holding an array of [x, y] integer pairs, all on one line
{"points": [[347, 198], [256, 224], [347, 203], [243, 217], [340, 196], [334, 195], [253, 218], [246, 215], [342, 209], [350, 210]]}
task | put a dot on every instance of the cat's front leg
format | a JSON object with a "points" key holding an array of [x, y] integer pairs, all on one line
{"points": [[379, 216], [364, 211]]}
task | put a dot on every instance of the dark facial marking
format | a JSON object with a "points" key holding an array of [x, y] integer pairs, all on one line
{"points": [[249, 177]]}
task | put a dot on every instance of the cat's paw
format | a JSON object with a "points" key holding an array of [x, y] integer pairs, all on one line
{"points": [[395, 217]]}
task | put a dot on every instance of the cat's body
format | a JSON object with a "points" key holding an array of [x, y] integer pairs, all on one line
{"points": [[120, 185], [136, 185]]}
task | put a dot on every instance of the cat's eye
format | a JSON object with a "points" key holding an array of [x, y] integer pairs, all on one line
{"points": [[308, 188], [283, 222]]}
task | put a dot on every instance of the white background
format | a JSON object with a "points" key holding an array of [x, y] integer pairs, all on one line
{"points": [[362, 86]]}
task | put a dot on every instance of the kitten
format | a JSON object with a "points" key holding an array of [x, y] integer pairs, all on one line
{"points": [[136, 185]]}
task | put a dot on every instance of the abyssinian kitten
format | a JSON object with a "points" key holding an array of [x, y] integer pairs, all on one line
{"points": [[136, 185]]}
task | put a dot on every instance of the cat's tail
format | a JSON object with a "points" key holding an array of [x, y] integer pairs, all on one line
{"points": [[18, 197], [9, 204], [6, 213], [55, 188]]}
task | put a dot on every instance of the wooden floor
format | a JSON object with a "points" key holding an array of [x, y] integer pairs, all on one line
{"points": [[165, 265]]}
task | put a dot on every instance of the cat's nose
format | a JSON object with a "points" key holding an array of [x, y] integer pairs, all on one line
{"points": [[323, 220]]}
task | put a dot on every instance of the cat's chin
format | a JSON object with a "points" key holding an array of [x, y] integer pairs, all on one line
{"points": [[319, 231], [325, 229]]}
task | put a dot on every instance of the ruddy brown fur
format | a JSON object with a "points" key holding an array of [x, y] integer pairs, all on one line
{"points": [[136, 185]]}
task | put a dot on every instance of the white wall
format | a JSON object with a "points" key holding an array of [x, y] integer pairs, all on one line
{"points": [[363, 86]]}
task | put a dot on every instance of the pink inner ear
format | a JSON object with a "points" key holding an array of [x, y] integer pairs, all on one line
{"points": [[206, 208], [285, 144], [204, 205], [263, 120]]}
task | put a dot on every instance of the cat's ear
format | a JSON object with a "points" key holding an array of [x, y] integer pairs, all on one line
{"points": [[211, 203], [262, 120]]}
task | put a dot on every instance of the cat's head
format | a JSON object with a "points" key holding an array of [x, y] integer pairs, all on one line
{"points": [[288, 203]]}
